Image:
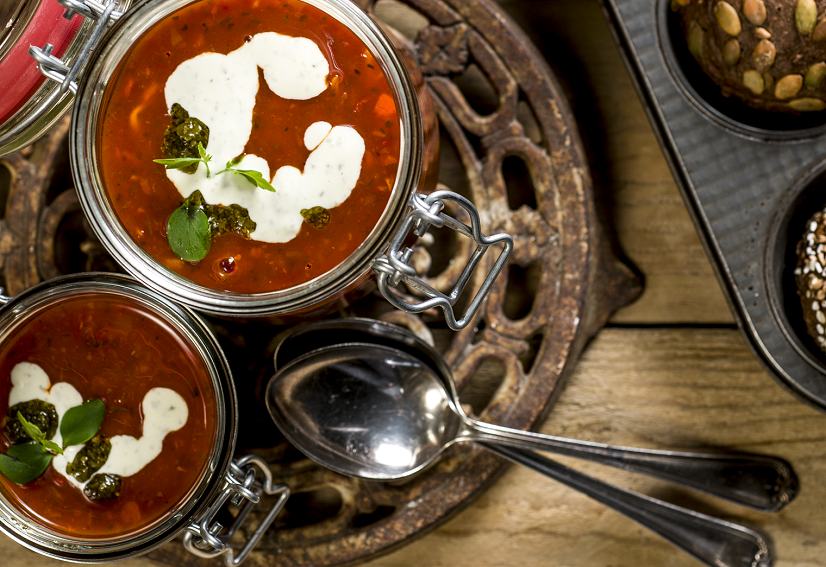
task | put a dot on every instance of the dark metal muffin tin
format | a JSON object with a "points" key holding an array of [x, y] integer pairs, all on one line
{"points": [[750, 179]]}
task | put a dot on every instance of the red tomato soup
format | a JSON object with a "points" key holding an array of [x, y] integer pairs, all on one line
{"points": [[136, 116], [113, 349]]}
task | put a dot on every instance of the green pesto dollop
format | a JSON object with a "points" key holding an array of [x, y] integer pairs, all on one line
{"points": [[319, 217], [42, 414], [182, 136], [103, 487], [223, 219], [89, 459]]}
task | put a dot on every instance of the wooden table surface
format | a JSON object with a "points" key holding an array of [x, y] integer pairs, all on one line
{"points": [[670, 371]]}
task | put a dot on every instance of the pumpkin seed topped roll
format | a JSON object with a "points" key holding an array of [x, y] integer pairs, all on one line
{"points": [[771, 54]]}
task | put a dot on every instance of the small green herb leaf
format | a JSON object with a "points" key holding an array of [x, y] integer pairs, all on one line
{"points": [[180, 163], [188, 233], [31, 429], [53, 447], [80, 423], [255, 177], [177, 163], [24, 463], [202, 152], [38, 436]]}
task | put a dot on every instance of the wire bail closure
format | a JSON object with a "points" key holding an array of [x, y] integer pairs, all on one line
{"points": [[54, 68], [203, 536], [393, 267]]}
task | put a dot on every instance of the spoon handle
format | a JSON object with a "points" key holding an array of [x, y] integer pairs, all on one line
{"points": [[714, 542], [759, 482]]}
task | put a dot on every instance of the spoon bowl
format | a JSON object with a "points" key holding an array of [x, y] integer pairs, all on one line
{"points": [[364, 410], [386, 408]]}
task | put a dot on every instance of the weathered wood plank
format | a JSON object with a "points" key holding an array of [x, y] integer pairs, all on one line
{"points": [[631, 177], [658, 388], [674, 388]]}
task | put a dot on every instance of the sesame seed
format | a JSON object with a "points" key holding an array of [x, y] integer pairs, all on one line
{"points": [[819, 329], [813, 226], [815, 306]]}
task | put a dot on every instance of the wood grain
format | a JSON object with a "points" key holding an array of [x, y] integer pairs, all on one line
{"points": [[657, 388], [682, 388], [633, 183]]}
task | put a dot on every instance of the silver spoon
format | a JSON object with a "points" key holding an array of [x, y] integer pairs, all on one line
{"points": [[379, 413], [760, 482]]}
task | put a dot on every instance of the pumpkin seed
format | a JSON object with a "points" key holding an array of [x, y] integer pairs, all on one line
{"points": [[753, 81], [764, 55], [762, 33], [807, 104], [820, 31], [805, 16], [815, 75], [755, 11], [788, 86], [768, 79], [696, 38], [731, 52], [728, 19]]}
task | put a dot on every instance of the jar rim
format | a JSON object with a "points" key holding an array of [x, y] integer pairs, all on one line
{"points": [[40, 107], [301, 298], [18, 525]]}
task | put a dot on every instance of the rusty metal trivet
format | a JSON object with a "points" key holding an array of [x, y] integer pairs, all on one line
{"points": [[561, 285]]}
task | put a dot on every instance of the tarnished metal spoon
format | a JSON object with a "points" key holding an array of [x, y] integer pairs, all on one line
{"points": [[379, 413], [760, 482]]}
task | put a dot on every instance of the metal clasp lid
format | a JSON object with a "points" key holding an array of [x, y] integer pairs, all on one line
{"points": [[203, 536], [53, 67], [393, 268]]}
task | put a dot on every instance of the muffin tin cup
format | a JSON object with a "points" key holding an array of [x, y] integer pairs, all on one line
{"points": [[728, 112], [749, 179]]}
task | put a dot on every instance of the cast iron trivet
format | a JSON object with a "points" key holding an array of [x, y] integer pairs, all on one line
{"points": [[560, 287]]}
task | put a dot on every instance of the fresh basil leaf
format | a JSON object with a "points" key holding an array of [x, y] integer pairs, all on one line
{"points": [[177, 163], [188, 233], [80, 423], [256, 178], [31, 429], [202, 152], [38, 436], [205, 157], [52, 447], [24, 463]]}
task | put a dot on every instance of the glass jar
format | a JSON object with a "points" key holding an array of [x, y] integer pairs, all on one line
{"points": [[222, 478], [383, 252], [29, 104]]}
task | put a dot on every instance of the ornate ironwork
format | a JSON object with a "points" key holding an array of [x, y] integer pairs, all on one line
{"points": [[558, 288]]}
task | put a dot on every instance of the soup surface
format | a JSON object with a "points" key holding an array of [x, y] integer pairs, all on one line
{"points": [[355, 106], [113, 349]]}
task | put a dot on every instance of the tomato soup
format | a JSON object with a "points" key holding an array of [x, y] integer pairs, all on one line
{"points": [[352, 97], [113, 349]]}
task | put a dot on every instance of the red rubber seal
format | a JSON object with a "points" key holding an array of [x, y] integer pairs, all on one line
{"points": [[19, 76]]}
